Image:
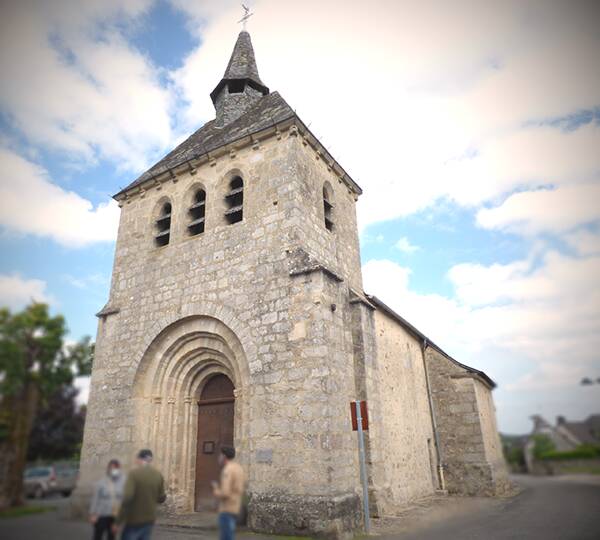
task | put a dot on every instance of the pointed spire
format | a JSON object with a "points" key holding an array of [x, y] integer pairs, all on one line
{"points": [[242, 64], [241, 79]]}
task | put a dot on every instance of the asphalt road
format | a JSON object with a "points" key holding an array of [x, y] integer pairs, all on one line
{"points": [[548, 508], [560, 508]]}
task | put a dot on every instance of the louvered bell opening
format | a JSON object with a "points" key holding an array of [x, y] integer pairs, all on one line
{"points": [[235, 201], [197, 214], [328, 207], [163, 226]]}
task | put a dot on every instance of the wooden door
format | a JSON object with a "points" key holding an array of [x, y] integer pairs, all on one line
{"points": [[215, 429]]}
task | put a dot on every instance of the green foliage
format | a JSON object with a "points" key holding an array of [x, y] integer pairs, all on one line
{"points": [[32, 349], [542, 445], [515, 456], [58, 428], [585, 451], [34, 364], [21, 511]]}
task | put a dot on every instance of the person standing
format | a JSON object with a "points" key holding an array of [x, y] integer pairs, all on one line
{"points": [[229, 492], [106, 501], [144, 489]]}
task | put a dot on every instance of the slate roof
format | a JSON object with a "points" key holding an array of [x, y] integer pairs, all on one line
{"points": [[269, 110], [242, 66], [587, 431]]}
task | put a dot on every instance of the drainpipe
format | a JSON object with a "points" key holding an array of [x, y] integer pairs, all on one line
{"points": [[438, 452]]}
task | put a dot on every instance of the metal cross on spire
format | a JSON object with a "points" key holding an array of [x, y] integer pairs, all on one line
{"points": [[246, 16]]}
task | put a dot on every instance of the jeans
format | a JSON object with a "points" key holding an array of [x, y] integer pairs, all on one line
{"points": [[104, 525], [227, 525], [137, 532]]}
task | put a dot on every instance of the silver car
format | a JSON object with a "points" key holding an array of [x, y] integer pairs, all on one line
{"points": [[41, 481]]}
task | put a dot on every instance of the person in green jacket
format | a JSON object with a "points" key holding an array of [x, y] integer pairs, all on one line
{"points": [[144, 489]]}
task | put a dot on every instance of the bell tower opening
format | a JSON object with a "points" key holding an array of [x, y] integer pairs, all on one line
{"points": [[215, 430]]}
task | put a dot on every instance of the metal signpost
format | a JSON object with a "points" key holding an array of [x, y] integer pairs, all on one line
{"points": [[363, 464]]}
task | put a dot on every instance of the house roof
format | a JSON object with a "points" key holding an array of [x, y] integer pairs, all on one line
{"points": [[426, 341], [587, 431]]}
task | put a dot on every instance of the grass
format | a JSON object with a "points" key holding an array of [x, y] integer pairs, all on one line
{"points": [[20, 511]]}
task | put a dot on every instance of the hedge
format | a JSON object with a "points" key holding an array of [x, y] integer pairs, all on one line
{"points": [[585, 451]]}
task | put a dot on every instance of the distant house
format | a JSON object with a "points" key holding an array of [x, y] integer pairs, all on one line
{"points": [[565, 435], [586, 432]]}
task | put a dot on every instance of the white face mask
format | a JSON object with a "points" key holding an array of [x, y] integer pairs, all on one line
{"points": [[115, 473]]}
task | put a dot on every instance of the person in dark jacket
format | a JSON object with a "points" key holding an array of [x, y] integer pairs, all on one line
{"points": [[106, 501], [144, 489]]}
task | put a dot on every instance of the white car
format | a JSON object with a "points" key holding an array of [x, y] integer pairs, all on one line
{"points": [[41, 481]]}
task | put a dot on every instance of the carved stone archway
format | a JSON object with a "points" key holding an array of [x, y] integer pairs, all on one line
{"points": [[167, 385]]}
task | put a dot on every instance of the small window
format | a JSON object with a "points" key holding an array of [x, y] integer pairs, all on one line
{"points": [[235, 201], [197, 213], [163, 226], [327, 209], [236, 87]]}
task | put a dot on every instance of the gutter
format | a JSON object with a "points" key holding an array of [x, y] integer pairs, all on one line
{"points": [[438, 451]]}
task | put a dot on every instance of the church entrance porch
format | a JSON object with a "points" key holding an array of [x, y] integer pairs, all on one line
{"points": [[215, 430], [188, 404]]}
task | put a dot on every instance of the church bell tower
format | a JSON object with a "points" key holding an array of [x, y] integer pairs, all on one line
{"points": [[235, 316]]}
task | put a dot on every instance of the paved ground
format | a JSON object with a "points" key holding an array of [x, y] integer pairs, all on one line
{"points": [[559, 508], [547, 508]]}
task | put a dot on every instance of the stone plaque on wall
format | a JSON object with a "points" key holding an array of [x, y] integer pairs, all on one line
{"points": [[264, 455]]}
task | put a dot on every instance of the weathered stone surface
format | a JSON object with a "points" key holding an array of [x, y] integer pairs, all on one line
{"points": [[327, 517], [466, 420]]}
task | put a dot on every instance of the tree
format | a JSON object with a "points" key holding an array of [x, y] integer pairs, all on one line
{"points": [[58, 427], [34, 364], [542, 445]]}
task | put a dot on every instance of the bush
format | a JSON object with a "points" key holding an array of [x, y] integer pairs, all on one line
{"points": [[585, 451], [542, 445]]}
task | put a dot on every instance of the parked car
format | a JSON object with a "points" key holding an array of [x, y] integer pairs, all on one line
{"points": [[45, 480]]}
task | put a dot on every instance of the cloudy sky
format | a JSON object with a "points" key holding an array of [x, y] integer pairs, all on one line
{"points": [[473, 128]]}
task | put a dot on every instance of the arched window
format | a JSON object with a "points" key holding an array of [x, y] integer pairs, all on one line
{"points": [[235, 200], [327, 208], [197, 213], [163, 226]]}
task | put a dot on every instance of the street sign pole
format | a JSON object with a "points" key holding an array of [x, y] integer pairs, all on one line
{"points": [[363, 467]]}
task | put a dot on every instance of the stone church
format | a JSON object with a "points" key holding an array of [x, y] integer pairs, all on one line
{"points": [[237, 316]]}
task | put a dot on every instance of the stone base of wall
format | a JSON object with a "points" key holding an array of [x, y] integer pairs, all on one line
{"points": [[475, 480], [297, 515]]}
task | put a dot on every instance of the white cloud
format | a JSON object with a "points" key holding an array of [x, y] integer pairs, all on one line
{"points": [[447, 100], [584, 242], [16, 292], [71, 81], [83, 385], [547, 313], [32, 204], [88, 282], [548, 210], [405, 246]]}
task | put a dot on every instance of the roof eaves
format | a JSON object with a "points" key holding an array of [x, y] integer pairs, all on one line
{"points": [[426, 341], [328, 158]]}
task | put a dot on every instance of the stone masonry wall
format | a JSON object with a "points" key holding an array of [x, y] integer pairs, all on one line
{"points": [[296, 379], [406, 439], [491, 437], [465, 429]]}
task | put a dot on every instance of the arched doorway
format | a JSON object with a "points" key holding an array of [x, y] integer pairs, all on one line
{"points": [[174, 374], [215, 430]]}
